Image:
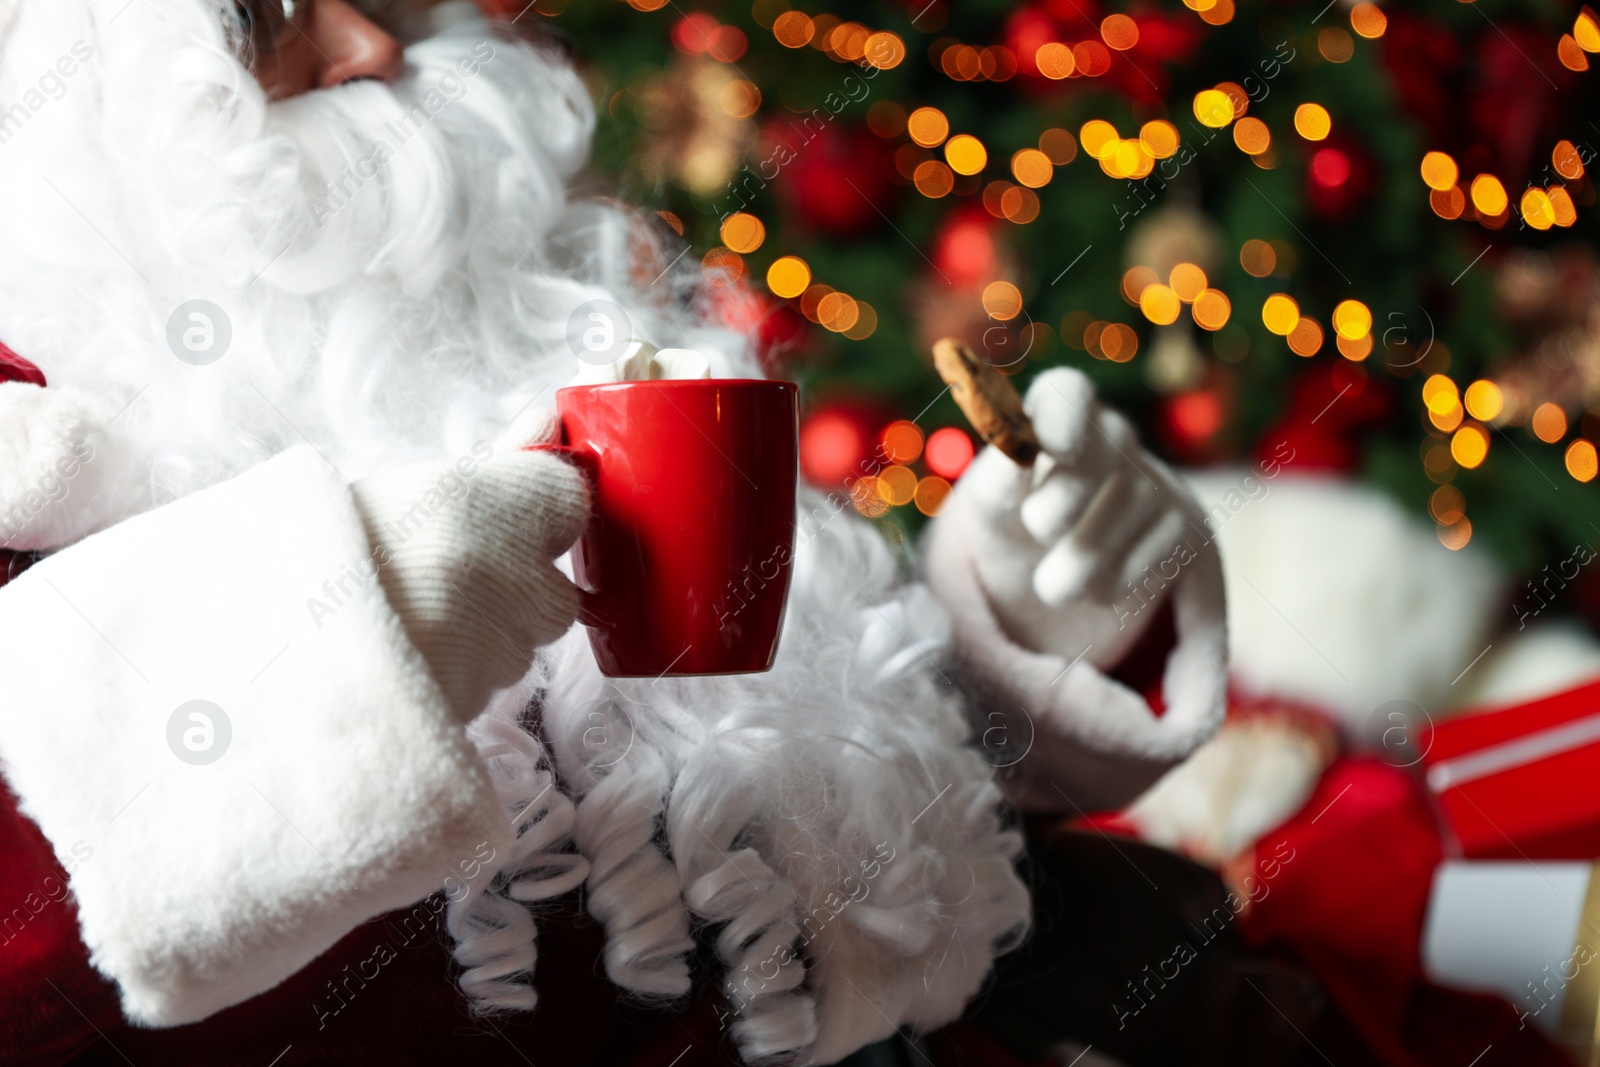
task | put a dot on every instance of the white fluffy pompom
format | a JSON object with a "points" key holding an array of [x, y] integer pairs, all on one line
{"points": [[57, 466]]}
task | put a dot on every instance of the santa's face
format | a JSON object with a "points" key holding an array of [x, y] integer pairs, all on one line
{"points": [[382, 248], [298, 46]]}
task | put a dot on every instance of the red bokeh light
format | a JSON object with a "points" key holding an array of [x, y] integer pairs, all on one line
{"points": [[948, 452]]}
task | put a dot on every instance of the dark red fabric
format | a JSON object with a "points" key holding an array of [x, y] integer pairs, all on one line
{"points": [[346, 1008], [1350, 901], [13, 368], [51, 1000]]}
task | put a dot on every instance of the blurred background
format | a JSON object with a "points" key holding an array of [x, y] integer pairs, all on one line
{"points": [[1358, 228]]}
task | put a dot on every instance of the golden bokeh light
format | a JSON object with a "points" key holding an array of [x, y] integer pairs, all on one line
{"points": [[1352, 320], [1354, 350], [1566, 160], [1211, 309], [1160, 304], [902, 441], [1188, 281], [931, 494], [1159, 137], [965, 154], [740, 99], [793, 29], [743, 233], [1469, 446], [1134, 282], [1258, 258], [866, 322], [1099, 138], [1252, 136], [1456, 535], [1582, 463], [1448, 203], [1439, 394], [1368, 20], [1488, 195], [1279, 313], [1002, 300], [884, 50], [1118, 342], [1055, 61], [838, 312], [1335, 44], [1586, 30], [1561, 203], [1439, 171], [897, 485], [1447, 505], [1120, 32], [788, 276], [1306, 337], [1549, 423], [1537, 210], [1570, 53], [1219, 13], [1213, 108], [867, 500], [1312, 121], [933, 179], [1447, 420], [1484, 400], [1059, 145], [928, 126], [1019, 205], [1032, 168]]}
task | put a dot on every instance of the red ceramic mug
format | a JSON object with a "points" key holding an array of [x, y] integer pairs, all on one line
{"points": [[686, 559]]}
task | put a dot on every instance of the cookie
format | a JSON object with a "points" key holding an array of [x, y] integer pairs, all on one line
{"points": [[988, 400]]}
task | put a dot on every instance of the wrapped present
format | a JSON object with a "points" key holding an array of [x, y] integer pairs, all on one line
{"points": [[1527, 932], [1519, 782]]}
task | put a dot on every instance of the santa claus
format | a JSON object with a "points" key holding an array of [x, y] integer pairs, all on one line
{"points": [[288, 285]]}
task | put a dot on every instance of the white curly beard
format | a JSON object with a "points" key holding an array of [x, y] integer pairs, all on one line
{"points": [[827, 821]]}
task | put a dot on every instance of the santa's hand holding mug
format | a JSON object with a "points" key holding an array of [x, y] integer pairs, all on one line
{"points": [[287, 284]]}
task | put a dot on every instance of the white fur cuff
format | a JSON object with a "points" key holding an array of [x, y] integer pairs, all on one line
{"points": [[57, 466], [254, 778], [1089, 742]]}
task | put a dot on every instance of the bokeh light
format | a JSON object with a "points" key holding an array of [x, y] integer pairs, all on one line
{"points": [[788, 276], [1549, 423], [1279, 313], [948, 452], [1312, 121]]}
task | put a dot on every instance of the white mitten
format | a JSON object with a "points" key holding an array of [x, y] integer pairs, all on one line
{"points": [[1051, 574], [465, 552], [60, 471]]}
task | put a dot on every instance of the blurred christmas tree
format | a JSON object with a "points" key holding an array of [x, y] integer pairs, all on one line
{"points": [[1360, 235]]}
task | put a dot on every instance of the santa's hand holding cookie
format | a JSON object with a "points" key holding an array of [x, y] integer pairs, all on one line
{"points": [[1053, 571]]}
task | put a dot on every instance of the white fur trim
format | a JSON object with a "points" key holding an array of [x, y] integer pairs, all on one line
{"points": [[346, 790], [1091, 737], [1339, 599], [58, 466], [1537, 662]]}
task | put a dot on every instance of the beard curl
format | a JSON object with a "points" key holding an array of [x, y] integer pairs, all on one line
{"points": [[396, 263]]}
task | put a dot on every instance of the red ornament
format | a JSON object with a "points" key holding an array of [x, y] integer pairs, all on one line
{"points": [[1340, 177], [964, 248], [837, 179]]}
